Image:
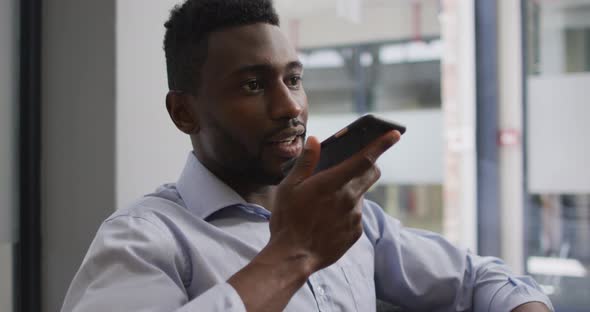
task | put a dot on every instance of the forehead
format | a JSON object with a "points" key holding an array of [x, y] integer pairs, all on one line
{"points": [[236, 47]]}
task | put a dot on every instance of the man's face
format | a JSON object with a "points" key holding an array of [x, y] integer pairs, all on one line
{"points": [[251, 106]]}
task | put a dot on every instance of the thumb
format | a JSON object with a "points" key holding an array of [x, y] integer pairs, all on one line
{"points": [[306, 162]]}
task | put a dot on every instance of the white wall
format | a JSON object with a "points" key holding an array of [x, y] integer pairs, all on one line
{"points": [[558, 150], [150, 150], [9, 62], [9, 31], [510, 160], [6, 278], [319, 23], [459, 105], [78, 135]]}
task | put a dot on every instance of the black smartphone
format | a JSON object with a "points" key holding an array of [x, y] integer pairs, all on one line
{"points": [[348, 141]]}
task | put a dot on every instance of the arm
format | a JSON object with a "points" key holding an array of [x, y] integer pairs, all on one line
{"points": [[270, 280], [422, 271], [134, 265], [308, 212]]}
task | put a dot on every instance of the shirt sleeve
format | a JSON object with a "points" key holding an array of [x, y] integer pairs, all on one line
{"points": [[422, 271], [134, 265]]}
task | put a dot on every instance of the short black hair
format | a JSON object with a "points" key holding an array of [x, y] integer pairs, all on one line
{"points": [[188, 28]]}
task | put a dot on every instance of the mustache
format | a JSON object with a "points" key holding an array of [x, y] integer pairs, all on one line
{"points": [[289, 124]]}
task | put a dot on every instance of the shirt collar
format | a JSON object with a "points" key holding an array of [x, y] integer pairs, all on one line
{"points": [[202, 192]]}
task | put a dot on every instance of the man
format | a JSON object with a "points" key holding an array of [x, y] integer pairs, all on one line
{"points": [[235, 234]]}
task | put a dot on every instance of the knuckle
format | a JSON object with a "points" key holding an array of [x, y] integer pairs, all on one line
{"points": [[386, 144], [368, 159], [306, 161], [356, 217], [349, 198], [376, 172]]}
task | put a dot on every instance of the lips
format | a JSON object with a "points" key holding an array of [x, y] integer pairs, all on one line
{"points": [[288, 143], [287, 135]]}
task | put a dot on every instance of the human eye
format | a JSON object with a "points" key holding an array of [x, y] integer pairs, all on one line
{"points": [[253, 86], [294, 82]]}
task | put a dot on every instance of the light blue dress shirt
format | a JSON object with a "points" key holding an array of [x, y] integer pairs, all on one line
{"points": [[174, 250]]}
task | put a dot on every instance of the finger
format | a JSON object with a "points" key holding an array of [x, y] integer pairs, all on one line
{"points": [[337, 176], [360, 185], [351, 194], [306, 162], [360, 204]]}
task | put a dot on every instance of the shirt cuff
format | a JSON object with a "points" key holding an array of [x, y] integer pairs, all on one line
{"points": [[222, 297], [518, 291]]}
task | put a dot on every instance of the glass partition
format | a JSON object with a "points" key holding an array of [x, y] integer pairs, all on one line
{"points": [[558, 178], [382, 57]]}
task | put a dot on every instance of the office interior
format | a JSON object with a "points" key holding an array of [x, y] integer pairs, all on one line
{"points": [[493, 93]]}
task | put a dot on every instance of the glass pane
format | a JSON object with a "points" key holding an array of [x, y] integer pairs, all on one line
{"points": [[558, 217], [382, 57], [378, 77], [558, 36], [559, 253], [419, 206], [329, 82]]}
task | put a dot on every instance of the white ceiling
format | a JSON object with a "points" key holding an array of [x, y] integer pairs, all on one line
{"points": [[304, 8], [317, 23]]}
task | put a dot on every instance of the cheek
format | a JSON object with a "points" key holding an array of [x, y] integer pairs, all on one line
{"points": [[245, 129], [302, 100], [230, 146]]}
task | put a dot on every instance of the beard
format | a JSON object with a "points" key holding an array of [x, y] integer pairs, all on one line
{"points": [[246, 159]]}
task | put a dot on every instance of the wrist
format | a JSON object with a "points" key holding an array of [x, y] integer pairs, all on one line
{"points": [[292, 263], [269, 281]]}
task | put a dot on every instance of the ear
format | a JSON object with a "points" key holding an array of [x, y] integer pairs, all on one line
{"points": [[181, 112]]}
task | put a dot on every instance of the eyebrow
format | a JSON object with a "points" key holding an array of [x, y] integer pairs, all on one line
{"points": [[265, 67]]}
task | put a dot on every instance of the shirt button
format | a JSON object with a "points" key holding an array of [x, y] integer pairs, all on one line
{"points": [[321, 291]]}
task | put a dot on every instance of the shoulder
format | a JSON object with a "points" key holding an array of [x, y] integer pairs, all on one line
{"points": [[376, 221], [157, 218], [152, 227], [164, 203], [375, 215]]}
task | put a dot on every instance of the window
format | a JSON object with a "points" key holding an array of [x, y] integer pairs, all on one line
{"points": [[381, 57], [558, 214]]}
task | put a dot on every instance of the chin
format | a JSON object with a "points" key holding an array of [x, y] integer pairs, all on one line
{"points": [[266, 172], [264, 176], [267, 179], [274, 179], [271, 176]]}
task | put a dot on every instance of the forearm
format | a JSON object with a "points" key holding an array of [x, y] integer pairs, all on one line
{"points": [[271, 279]]}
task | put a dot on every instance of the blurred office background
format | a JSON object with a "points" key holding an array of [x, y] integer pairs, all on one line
{"points": [[493, 93]]}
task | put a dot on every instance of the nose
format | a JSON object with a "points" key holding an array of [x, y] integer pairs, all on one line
{"points": [[284, 103]]}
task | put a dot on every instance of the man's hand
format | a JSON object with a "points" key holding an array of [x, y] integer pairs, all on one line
{"points": [[318, 217], [532, 307], [315, 220]]}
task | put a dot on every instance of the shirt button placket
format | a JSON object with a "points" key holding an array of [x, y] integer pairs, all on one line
{"points": [[320, 293]]}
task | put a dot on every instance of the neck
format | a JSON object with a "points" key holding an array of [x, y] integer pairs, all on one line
{"points": [[252, 192]]}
